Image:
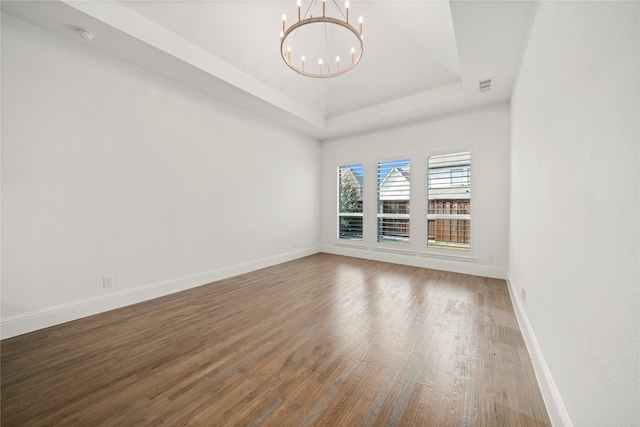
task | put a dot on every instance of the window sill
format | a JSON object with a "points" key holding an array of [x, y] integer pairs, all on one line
{"points": [[350, 244], [467, 258], [396, 250]]}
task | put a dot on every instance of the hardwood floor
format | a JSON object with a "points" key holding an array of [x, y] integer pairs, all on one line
{"points": [[324, 340]]}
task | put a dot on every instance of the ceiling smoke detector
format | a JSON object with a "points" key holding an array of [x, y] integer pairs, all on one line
{"points": [[485, 85]]}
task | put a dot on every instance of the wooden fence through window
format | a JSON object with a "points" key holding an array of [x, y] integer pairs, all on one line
{"points": [[455, 231]]}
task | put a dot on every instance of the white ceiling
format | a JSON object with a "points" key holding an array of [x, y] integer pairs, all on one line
{"points": [[421, 58]]}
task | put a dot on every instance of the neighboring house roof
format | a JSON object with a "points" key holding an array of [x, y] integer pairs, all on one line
{"points": [[395, 186], [354, 178]]}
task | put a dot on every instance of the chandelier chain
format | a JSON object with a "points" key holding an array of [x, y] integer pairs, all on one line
{"points": [[339, 10], [326, 45]]}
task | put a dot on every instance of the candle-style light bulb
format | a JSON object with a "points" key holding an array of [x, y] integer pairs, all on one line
{"points": [[289, 54], [320, 63], [284, 20], [360, 21], [299, 4], [302, 63], [353, 55], [281, 34], [337, 64], [346, 6], [323, 7]]}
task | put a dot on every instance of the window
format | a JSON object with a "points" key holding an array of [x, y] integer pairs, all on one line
{"points": [[449, 194], [457, 176], [394, 191], [350, 184]]}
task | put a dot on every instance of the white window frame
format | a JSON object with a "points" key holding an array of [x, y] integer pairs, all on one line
{"points": [[342, 241], [447, 252], [389, 246]]}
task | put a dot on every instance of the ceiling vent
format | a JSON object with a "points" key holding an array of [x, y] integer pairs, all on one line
{"points": [[485, 85]]}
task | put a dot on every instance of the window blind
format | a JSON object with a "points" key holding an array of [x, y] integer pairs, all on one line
{"points": [[394, 199], [449, 201], [350, 191]]}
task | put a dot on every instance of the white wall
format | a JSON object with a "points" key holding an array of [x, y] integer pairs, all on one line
{"points": [[485, 131], [110, 170], [574, 234]]}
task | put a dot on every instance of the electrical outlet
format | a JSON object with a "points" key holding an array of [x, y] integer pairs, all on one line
{"points": [[523, 294], [107, 281]]}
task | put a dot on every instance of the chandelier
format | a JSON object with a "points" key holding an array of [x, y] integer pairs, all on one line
{"points": [[332, 45]]}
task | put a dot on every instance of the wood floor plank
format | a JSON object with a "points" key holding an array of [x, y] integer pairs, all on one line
{"points": [[321, 341]]}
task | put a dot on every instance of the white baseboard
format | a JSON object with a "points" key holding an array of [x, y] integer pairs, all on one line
{"points": [[552, 399], [410, 258], [51, 316]]}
